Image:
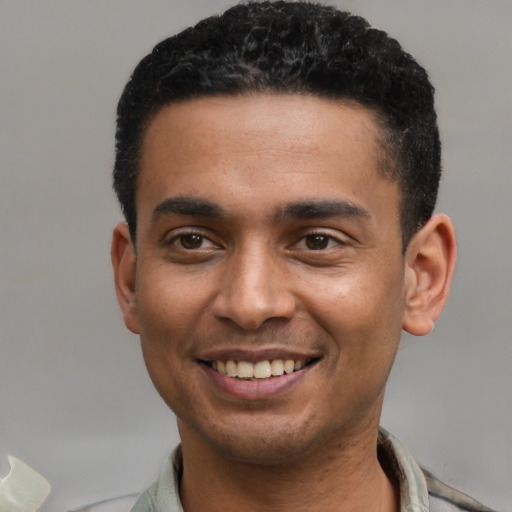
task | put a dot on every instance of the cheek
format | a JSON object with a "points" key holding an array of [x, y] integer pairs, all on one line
{"points": [[361, 311], [170, 304], [167, 317]]}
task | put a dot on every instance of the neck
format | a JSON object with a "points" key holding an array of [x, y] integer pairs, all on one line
{"points": [[341, 476]]}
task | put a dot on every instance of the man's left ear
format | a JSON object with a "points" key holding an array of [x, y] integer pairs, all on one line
{"points": [[430, 262]]}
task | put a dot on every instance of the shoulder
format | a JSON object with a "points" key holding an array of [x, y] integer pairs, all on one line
{"points": [[161, 496], [121, 504], [443, 498], [419, 489]]}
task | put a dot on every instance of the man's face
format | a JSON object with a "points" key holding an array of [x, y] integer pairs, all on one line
{"points": [[267, 234]]}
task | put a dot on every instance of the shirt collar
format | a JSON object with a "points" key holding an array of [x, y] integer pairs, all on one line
{"points": [[411, 482]]}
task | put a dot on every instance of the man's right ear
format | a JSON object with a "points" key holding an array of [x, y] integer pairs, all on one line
{"points": [[123, 258]]}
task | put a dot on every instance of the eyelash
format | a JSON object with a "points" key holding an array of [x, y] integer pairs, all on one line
{"points": [[328, 238], [330, 241], [179, 237]]}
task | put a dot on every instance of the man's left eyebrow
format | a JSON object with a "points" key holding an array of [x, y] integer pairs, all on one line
{"points": [[313, 209]]}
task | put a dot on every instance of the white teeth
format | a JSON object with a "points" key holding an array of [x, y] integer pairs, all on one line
{"points": [[289, 366], [231, 369], [221, 367], [245, 370], [298, 365], [259, 370], [277, 367], [262, 370]]}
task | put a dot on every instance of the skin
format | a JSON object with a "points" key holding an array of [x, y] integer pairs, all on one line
{"points": [[266, 230]]}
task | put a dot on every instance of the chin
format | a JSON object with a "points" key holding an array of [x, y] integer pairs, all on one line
{"points": [[272, 443], [261, 451]]}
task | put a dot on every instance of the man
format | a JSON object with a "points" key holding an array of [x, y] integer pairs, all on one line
{"points": [[278, 168]]}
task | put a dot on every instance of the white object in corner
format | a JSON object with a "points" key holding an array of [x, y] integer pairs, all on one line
{"points": [[23, 489]]}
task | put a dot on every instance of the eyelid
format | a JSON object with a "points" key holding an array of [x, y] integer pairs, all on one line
{"points": [[175, 234], [337, 239]]}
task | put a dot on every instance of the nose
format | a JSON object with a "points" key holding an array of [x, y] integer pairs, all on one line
{"points": [[254, 289]]}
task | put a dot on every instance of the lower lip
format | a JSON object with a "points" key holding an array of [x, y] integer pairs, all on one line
{"points": [[262, 389]]}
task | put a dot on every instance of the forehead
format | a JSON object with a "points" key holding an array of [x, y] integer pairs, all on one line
{"points": [[310, 123], [264, 147]]}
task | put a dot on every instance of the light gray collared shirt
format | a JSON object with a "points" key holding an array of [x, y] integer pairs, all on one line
{"points": [[419, 490]]}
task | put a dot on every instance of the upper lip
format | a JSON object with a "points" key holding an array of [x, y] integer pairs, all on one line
{"points": [[255, 354]]}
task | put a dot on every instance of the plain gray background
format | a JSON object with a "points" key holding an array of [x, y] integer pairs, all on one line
{"points": [[75, 399]]}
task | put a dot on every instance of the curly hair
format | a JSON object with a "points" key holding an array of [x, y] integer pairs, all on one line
{"points": [[291, 48]]}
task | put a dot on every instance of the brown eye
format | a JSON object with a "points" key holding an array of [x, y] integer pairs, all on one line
{"points": [[191, 241], [317, 242]]}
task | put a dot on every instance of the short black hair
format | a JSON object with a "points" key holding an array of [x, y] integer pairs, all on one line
{"points": [[291, 48]]}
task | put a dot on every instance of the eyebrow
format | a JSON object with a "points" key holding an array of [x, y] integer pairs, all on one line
{"points": [[314, 209], [191, 206], [301, 210]]}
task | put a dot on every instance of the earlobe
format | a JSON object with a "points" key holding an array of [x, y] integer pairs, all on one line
{"points": [[430, 262], [124, 265]]}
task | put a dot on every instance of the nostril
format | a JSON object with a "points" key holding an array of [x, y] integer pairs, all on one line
{"points": [[249, 314], [253, 289]]}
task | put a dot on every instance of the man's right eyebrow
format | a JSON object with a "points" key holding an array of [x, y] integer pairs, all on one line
{"points": [[190, 206]]}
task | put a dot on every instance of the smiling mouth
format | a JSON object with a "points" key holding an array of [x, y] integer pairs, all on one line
{"points": [[261, 370]]}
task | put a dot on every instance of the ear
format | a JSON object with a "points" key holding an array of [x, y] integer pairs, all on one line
{"points": [[123, 258], [430, 262]]}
